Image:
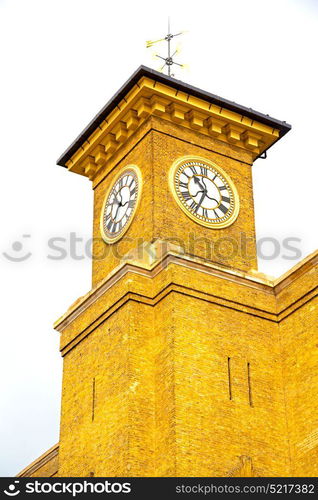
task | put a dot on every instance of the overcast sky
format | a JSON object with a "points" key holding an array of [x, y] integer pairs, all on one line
{"points": [[61, 61]]}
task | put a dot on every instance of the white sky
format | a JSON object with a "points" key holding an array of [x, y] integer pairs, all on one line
{"points": [[61, 61]]}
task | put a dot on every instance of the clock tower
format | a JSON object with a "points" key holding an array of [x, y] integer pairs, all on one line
{"points": [[178, 361]]}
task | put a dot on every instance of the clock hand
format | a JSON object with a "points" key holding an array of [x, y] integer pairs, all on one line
{"points": [[206, 194], [196, 180], [120, 204], [121, 198], [118, 207], [211, 198], [115, 201], [200, 191], [201, 200]]}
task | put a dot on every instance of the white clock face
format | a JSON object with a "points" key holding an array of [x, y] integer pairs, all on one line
{"points": [[204, 192], [120, 205]]}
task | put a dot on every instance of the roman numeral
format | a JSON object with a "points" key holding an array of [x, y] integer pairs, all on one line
{"points": [[216, 215], [183, 184], [131, 203], [110, 226], [204, 171], [194, 204], [120, 225], [132, 192], [215, 177], [120, 183], [132, 180], [205, 213], [223, 208], [193, 170], [222, 188], [226, 199], [186, 195]]}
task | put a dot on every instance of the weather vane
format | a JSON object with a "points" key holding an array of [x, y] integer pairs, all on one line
{"points": [[168, 61]]}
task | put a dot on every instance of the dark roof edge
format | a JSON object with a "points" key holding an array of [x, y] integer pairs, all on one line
{"points": [[177, 84]]}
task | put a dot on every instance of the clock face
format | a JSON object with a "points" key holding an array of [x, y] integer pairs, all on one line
{"points": [[204, 192], [120, 204]]}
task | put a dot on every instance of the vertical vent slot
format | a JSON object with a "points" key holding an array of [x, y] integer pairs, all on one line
{"points": [[250, 397], [93, 400], [229, 377]]}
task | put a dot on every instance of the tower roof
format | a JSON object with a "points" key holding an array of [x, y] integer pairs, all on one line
{"points": [[279, 128]]}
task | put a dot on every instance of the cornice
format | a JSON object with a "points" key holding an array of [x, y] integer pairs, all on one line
{"points": [[301, 268], [40, 461], [153, 300], [180, 87], [150, 269], [149, 97]]}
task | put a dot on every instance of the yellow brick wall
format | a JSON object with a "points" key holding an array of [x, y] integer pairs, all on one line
{"points": [[107, 403], [212, 429], [162, 404], [85, 440], [162, 401], [299, 340], [146, 377], [299, 334]]}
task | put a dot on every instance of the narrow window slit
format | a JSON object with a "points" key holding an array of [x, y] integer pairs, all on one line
{"points": [[93, 400], [229, 377], [249, 384]]}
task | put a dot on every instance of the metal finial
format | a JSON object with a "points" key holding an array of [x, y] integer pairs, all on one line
{"points": [[168, 61]]}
